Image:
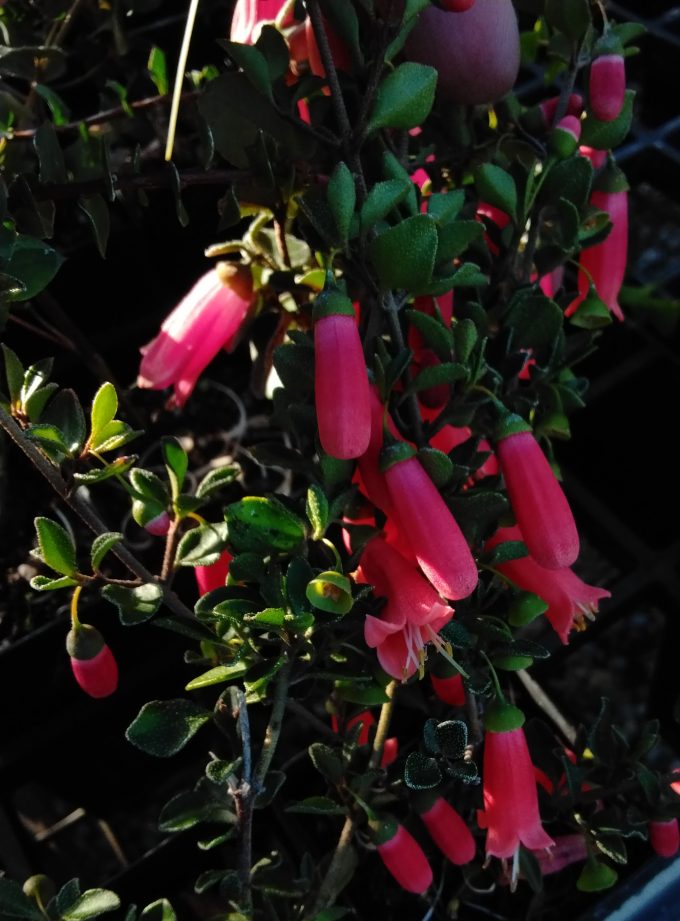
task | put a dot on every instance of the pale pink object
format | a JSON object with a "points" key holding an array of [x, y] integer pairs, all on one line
{"points": [[158, 526], [411, 619], [404, 859], [206, 320], [607, 86], [97, 676], [438, 543], [568, 849], [571, 602], [538, 501], [343, 406], [510, 813], [249, 15], [449, 832]]}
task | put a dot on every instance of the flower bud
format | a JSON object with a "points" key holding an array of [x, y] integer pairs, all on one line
{"points": [[92, 662], [208, 578], [448, 831], [343, 406], [664, 837], [159, 525], [402, 855], [607, 86], [565, 136], [537, 499]]}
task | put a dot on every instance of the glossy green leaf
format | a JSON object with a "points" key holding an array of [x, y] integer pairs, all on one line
{"points": [[317, 805], [104, 409], [215, 480], [259, 524], [203, 545], [341, 193], [497, 187], [317, 510], [135, 605], [91, 904], [34, 263], [382, 198], [404, 255], [57, 548], [218, 675], [158, 70], [101, 545], [176, 463], [404, 98]]}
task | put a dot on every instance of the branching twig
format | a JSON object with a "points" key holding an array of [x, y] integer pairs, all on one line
{"points": [[542, 700], [86, 512]]}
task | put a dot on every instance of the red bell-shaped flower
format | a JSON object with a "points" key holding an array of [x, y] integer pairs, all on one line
{"points": [[438, 543], [214, 576], [449, 688], [537, 499], [343, 407], [664, 837]]}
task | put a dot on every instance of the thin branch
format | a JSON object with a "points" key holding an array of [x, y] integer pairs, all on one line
{"points": [[383, 726], [273, 731], [179, 77], [244, 799], [86, 512], [542, 700]]}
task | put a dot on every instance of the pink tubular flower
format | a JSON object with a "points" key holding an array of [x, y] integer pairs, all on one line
{"points": [[92, 662], [449, 690], [605, 263], [571, 602], [413, 616], [537, 499], [607, 86], [438, 543], [214, 576], [369, 476], [249, 15], [403, 856], [343, 404], [566, 135], [206, 320], [548, 107], [449, 832], [664, 837], [510, 813], [496, 221]]}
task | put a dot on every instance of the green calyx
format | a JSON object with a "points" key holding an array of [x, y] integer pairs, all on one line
{"points": [[383, 829], [596, 876], [608, 43], [503, 717], [611, 178], [563, 142], [395, 453], [84, 642], [331, 592], [332, 303], [512, 663], [511, 424], [525, 609]]}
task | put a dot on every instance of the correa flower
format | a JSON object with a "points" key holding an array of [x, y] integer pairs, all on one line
{"points": [[206, 320], [448, 830], [249, 16], [451, 436], [536, 497], [449, 688], [214, 576], [367, 721], [607, 86], [92, 662], [402, 855], [568, 849], [495, 221], [369, 476], [411, 619], [548, 108], [605, 263], [343, 405], [664, 836], [571, 602], [565, 136], [438, 543], [510, 814]]}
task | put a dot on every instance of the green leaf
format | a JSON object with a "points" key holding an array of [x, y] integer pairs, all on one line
{"points": [[505, 552], [421, 772], [273, 46], [97, 212], [404, 98], [569, 16], [104, 409], [465, 338], [497, 187], [317, 510], [45, 584], [158, 70], [359, 692], [148, 486], [438, 465], [258, 524], [382, 198], [14, 373], [185, 810], [216, 479], [330, 592], [607, 135], [536, 321], [57, 548], [91, 904], [101, 546], [67, 896], [113, 436], [34, 263], [327, 761], [404, 255], [14, 903], [160, 910], [435, 335], [570, 179], [163, 727], [452, 738], [448, 372], [317, 805], [65, 413], [341, 193], [203, 545], [454, 238], [37, 402], [253, 64], [444, 206], [135, 605], [59, 110], [50, 156], [117, 467], [176, 462], [218, 675]]}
